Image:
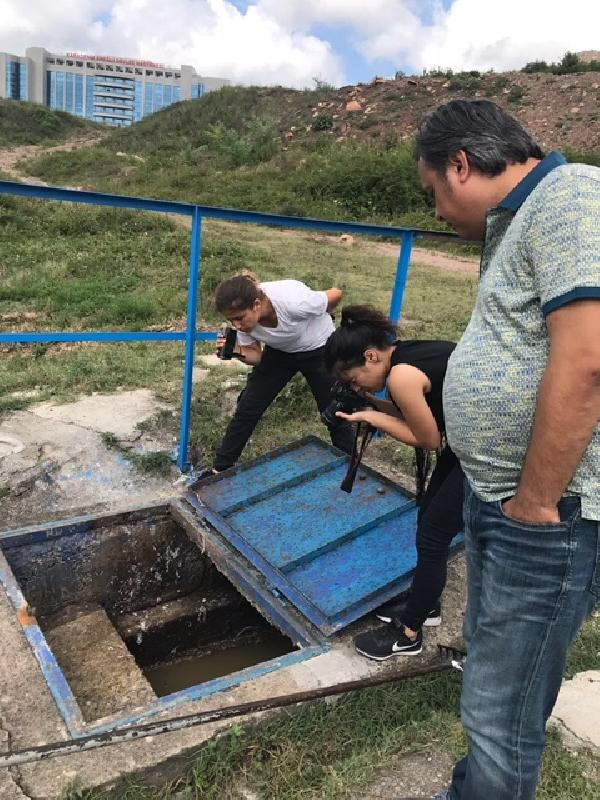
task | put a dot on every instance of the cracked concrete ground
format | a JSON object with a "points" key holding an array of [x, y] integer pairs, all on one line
{"points": [[577, 711], [54, 463]]}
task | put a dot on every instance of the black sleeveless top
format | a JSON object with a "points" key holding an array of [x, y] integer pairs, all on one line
{"points": [[431, 357]]}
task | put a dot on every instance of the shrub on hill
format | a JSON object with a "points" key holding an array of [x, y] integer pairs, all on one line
{"points": [[29, 123]]}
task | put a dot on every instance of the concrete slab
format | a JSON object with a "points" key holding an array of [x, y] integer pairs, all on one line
{"points": [[577, 710], [100, 670], [56, 469], [119, 414], [9, 788]]}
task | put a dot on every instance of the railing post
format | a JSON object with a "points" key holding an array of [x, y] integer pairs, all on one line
{"points": [[190, 338], [401, 276]]}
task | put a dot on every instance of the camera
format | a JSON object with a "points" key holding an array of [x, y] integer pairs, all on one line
{"points": [[343, 398], [225, 353]]}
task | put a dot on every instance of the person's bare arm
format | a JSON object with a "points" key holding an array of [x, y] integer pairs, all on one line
{"points": [[567, 412], [417, 427], [334, 296], [251, 353]]}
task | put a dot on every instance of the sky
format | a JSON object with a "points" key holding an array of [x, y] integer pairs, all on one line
{"points": [[294, 42]]}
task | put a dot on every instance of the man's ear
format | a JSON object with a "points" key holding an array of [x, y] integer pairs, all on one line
{"points": [[371, 356], [459, 165]]}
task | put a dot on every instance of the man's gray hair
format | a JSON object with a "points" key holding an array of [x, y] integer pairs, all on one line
{"points": [[490, 137]]}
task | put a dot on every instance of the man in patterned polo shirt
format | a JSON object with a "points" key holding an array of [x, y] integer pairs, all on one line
{"points": [[522, 407]]}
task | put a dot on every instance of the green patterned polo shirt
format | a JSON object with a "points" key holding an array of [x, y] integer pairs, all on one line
{"points": [[541, 252]]}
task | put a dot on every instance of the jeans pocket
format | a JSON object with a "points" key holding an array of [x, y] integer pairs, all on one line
{"points": [[535, 526]]}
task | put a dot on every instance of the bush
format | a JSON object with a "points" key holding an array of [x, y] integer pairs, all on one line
{"points": [[364, 180], [516, 94], [536, 66], [324, 122], [568, 64], [465, 81], [30, 123], [591, 157], [233, 148]]}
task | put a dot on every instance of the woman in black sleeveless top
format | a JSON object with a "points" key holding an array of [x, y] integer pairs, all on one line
{"points": [[364, 353]]}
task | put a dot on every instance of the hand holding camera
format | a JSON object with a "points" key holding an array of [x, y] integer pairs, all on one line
{"points": [[226, 342], [345, 401]]}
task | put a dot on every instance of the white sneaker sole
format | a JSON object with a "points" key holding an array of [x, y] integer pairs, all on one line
{"points": [[430, 622], [391, 655]]}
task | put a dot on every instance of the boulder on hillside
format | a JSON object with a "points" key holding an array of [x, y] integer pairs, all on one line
{"points": [[353, 105]]}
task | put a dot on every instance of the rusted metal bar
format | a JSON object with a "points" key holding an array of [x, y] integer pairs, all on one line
{"points": [[85, 743]]}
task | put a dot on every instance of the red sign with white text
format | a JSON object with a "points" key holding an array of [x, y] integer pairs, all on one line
{"points": [[132, 62]]}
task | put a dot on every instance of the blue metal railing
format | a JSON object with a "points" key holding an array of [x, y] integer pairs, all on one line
{"points": [[197, 213]]}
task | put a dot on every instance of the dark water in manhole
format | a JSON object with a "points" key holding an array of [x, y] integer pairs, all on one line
{"points": [[199, 667]]}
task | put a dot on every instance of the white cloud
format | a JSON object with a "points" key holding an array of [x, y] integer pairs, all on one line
{"points": [[489, 35], [212, 35], [273, 41]]}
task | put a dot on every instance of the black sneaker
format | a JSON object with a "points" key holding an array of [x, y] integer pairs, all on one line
{"points": [[387, 641], [395, 608]]}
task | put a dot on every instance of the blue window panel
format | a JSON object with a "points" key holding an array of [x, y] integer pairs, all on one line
{"points": [[167, 95], [158, 96], [60, 91], [70, 92], [57, 91], [79, 95], [139, 100], [198, 90], [176, 94], [13, 80], [89, 97], [52, 89], [148, 99], [24, 83]]}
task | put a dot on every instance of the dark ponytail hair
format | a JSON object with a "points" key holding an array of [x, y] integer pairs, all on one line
{"points": [[237, 293], [361, 327]]}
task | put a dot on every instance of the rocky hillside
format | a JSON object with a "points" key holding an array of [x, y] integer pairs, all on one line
{"points": [[338, 153], [558, 109]]}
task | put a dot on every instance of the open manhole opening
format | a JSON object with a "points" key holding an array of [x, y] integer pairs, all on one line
{"points": [[133, 611]]}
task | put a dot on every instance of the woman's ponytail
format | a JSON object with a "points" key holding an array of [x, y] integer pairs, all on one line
{"points": [[361, 327], [367, 317]]}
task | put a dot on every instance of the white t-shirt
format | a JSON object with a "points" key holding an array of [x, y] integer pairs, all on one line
{"points": [[303, 323]]}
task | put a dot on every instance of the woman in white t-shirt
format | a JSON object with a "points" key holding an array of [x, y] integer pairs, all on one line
{"points": [[282, 329]]}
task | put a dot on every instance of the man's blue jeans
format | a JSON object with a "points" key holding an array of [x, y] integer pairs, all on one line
{"points": [[530, 589]]}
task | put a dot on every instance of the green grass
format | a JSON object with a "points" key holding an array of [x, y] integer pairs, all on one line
{"points": [[29, 123], [69, 267], [153, 463], [333, 751]]}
